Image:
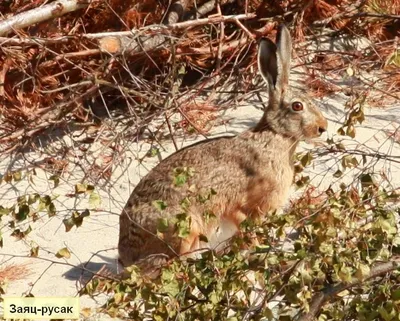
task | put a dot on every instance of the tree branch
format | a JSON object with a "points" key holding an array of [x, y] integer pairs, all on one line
{"points": [[46, 12], [329, 292], [119, 41], [124, 42]]}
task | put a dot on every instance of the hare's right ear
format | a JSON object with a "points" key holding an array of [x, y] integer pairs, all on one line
{"points": [[284, 44]]}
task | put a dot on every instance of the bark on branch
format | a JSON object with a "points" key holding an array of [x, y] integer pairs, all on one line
{"points": [[329, 292], [130, 42], [46, 12]]}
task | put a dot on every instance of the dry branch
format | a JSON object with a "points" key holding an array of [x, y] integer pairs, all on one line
{"points": [[46, 12], [124, 42], [329, 292], [175, 12]]}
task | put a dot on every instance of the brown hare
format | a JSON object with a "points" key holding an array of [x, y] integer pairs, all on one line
{"points": [[238, 177]]}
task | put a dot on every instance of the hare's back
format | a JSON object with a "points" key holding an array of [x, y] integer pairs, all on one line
{"points": [[206, 165]]}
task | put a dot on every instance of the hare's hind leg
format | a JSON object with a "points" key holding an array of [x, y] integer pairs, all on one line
{"points": [[139, 237], [151, 265]]}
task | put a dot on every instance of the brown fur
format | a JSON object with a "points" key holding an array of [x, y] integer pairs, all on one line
{"points": [[251, 173]]}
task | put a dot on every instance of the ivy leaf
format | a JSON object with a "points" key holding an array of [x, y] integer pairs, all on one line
{"points": [[76, 219], [338, 173], [80, 188], [63, 253], [17, 176], [306, 159], [162, 225], [362, 272], [183, 225], [34, 252], [159, 205], [23, 212], [55, 179], [170, 283], [94, 200], [181, 175]]}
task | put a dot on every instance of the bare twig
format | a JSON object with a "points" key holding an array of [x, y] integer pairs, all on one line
{"points": [[46, 12], [220, 42]]}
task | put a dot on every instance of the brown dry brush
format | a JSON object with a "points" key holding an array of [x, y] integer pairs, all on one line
{"points": [[52, 73]]}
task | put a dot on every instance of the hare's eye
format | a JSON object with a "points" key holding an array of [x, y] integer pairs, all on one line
{"points": [[297, 106]]}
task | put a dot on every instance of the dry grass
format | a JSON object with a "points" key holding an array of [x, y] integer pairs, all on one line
{"points": [[14, 272]]}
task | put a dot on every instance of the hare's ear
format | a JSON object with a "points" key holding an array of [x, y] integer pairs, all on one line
{"points": [[284, 44], [268, 62]]}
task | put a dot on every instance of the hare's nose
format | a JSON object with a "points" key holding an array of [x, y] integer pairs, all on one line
{"points": [[321, 130], [322, 126]]}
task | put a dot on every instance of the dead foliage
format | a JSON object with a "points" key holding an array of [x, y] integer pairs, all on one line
{"points": [[13, 272], [53, 74]]}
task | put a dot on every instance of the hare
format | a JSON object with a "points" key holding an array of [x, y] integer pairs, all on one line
{"points": [[239, 177]]}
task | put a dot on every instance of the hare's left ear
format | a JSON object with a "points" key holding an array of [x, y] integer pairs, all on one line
{"points": [[268, 62], [274, 62], [284, 45]]}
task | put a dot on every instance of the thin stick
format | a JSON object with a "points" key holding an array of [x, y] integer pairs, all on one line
{"points": [[46, 12]]}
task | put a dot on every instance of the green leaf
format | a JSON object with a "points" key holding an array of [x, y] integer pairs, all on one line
{"points": [[170, 283], [34, 252], [162, 225], [160, 205], [23, 212], [341, 132], [21, 234], [17, 176], [94, 200], [183, 225], [55, 179], [76, 219], [344, 274], [5, 210], [69, 224], [367, 180], [185, 204], [33, 198], [338, 173], [396, 295], [350, 131], [306, 159], [80, 188], [362, 272], [181, 175], [79, 220], [7, 177], [63, 253], [349, 161], [180, 179], [153, 151]]}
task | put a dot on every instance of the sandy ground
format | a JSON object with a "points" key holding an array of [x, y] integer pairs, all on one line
{"points": [[93, 245]]}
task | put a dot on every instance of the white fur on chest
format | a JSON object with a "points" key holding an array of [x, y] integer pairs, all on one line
{"points": [[224, 232]]}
